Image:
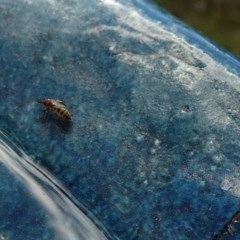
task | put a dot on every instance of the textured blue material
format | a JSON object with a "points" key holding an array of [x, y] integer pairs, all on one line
{"points": [[153, 150]]}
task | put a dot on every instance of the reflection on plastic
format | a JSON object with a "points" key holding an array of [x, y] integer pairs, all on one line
{"points": [[65, 217]]}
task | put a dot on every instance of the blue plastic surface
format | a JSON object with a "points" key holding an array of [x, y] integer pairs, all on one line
{"points": [[153, 149]]}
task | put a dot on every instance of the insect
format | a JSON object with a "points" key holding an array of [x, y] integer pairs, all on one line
{"points": [[56, 106]]}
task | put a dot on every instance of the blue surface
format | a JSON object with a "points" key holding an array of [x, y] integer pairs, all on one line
{"points": [[153, 149]]}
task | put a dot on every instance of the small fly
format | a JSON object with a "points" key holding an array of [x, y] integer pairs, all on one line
{"points": [[56, 106]]}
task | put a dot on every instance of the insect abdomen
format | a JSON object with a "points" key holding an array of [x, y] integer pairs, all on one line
{"points": [[62, 112]]}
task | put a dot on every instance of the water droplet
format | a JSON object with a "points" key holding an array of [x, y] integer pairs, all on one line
{"points": [[157, 142], [153, 150], [140, 138]]}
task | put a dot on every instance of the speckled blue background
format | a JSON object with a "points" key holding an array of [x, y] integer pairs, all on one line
{"points": [[153, 149]]}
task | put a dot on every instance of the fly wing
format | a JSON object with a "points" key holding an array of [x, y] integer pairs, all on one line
{"points": [[59, 102]]}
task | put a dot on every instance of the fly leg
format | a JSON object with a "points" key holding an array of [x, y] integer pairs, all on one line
{"points": [[44, 116]]}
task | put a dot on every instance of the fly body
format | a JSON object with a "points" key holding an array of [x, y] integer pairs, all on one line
{"points": [[56, 106]]}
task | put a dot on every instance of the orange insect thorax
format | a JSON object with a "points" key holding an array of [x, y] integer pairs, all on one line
{"points": [[47, 102]]}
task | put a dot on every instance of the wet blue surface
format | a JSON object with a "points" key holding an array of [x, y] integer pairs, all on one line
{"points": [[34, 205], [153, 149]]}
